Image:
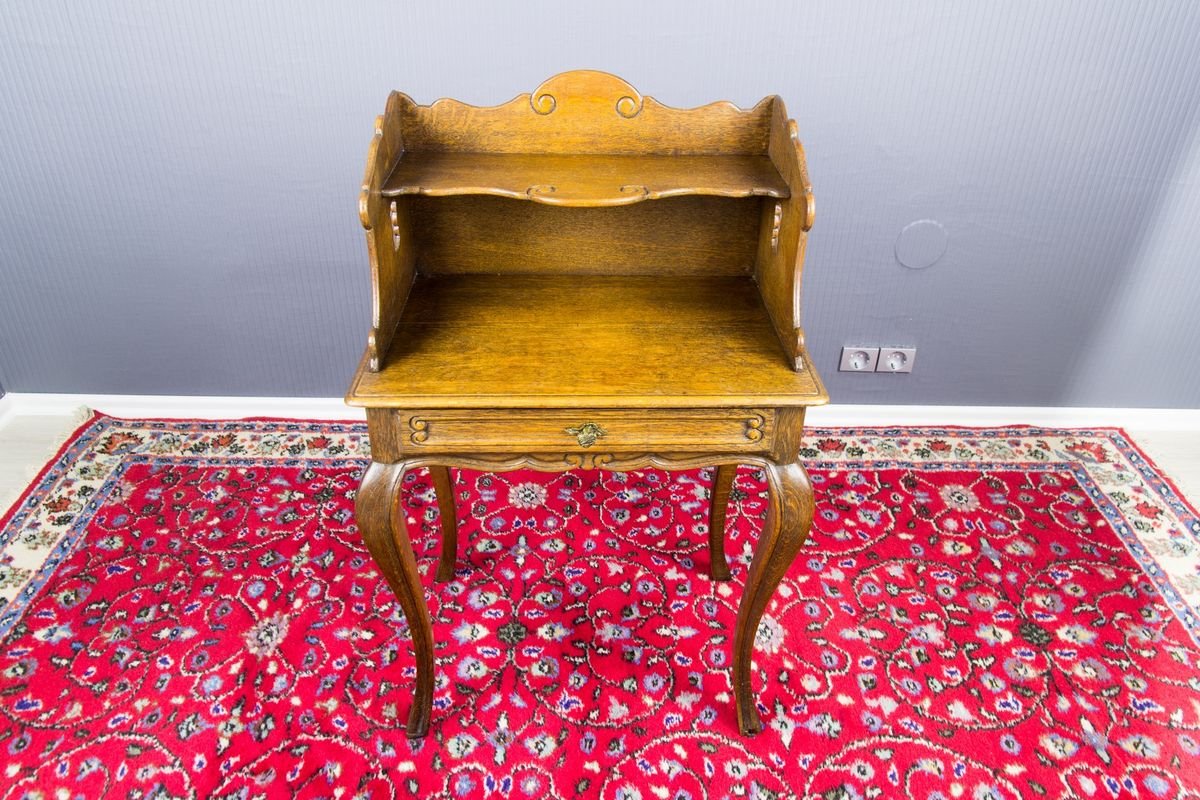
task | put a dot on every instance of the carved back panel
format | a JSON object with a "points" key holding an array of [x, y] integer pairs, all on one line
{"points": [[679, 236], [585, 112]]}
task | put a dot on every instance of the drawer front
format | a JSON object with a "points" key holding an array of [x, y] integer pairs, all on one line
{"points": [[521, 430]]}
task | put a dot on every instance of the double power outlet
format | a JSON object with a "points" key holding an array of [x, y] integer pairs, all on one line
{"points": [[877, 359]]}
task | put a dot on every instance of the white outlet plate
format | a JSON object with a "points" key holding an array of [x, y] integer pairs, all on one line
{"points": [[859, 359], [896, 359]]}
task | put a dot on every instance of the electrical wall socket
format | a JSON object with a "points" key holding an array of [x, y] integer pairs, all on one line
{"points": [[859, 359], [896, 359]]}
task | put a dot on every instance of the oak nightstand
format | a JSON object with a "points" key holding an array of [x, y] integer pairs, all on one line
{"points": [[583, 277]]}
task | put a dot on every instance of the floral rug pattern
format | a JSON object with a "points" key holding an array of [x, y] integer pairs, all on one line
{"points": [[186, 610]]}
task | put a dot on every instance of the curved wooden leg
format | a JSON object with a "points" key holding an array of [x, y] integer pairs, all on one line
{"points": [[722, 485], [444, 489], [789, 517], [381, 522]]}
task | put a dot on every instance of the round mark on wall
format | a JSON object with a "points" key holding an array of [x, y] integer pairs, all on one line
{"points": [[921, 244]]}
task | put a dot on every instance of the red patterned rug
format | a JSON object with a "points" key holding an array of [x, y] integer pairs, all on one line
{"points": [[188, 612]]}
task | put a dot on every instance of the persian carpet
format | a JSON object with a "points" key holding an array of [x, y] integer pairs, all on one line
{"points": [[188, 611]]}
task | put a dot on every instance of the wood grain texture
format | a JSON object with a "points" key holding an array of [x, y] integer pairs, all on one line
{"points": [[562, 461], [692, 235], [780, 259], [485, 341], [789, 517], [587, 180], [495, 430], [380, 519], [787, 434], [443, 487], [389, 236], [722, 485], [586, 112], [586, 329]]}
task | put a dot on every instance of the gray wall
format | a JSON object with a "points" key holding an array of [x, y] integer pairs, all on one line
{"points": [[178, 212]]}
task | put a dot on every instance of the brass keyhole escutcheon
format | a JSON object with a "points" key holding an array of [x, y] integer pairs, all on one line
{"points": [[587, 433]]}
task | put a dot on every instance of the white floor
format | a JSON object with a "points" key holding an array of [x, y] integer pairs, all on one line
{"points": [[33, 426]]}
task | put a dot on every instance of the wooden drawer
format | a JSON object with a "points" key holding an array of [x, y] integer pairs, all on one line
{"points": [[532, 431]]}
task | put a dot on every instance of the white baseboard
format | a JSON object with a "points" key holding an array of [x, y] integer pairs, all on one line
{"points": [[183, 406], [186, 407], [1145, 419], [6, 408]]}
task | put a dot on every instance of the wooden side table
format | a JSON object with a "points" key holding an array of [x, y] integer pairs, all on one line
{"points": [[585, 278]]}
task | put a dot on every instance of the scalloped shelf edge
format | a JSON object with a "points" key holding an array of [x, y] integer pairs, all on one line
{"points": [[584, 180]]}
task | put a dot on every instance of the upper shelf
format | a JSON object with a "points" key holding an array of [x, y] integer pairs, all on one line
{"points": [[583, 180]]}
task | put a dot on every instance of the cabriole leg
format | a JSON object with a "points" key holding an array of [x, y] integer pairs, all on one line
{"points": [[722, 485], [381, 522], [444, 488], [789, 517]]}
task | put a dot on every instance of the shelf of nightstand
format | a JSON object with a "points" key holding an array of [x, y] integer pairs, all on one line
{"points": [[583, 180], [546, 341]]}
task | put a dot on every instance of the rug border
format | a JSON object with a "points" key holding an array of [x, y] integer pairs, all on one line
{"points": [[1186, 501], [95, 416], [1193, 506], [72, 438], [1167, 489]]}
